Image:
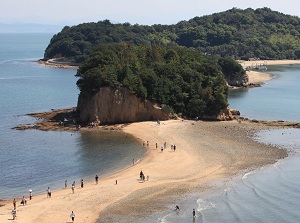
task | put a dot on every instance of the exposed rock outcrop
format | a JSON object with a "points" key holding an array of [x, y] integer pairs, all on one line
{"points": [[110, 106], [238, 82]]}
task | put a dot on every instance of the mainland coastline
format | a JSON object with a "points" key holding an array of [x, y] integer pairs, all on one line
{"points": [[206, 151]]}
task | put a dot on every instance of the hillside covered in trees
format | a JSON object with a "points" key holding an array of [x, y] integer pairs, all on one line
{"points": [[237, 33], [183, 80]]}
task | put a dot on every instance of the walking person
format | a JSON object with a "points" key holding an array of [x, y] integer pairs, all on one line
{"points": [[72, 215], [194, 213], [81, 183], [48, 192], [23, 201], [14, 213], [96, 179], [66, 183], [15, 203], [30, 194]]}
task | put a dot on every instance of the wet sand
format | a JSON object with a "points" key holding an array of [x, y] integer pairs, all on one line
{"points": [[205, 151]]}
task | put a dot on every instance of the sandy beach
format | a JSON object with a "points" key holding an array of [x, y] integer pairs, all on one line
{"points": [[205, 151], [256, 77]]}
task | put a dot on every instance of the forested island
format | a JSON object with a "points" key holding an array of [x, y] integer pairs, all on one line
{"points": [[240, 34], [183, 80], [184, 68]]}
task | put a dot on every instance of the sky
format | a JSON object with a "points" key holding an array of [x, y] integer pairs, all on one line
{"points": [[143, 12]]}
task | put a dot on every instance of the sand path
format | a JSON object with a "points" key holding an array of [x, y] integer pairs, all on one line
{"points": [[205, 151]]}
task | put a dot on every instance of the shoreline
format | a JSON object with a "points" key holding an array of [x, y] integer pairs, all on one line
{"points": [[260, 77], [221, 150], [55, 64]]}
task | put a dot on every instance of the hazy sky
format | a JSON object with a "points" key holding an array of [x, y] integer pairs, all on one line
{"points": [[147, 12]]}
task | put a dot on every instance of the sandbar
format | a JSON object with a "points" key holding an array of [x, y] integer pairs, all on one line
{"points": [[205, 151]]}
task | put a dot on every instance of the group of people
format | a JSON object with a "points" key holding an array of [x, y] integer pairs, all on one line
{"points": [[81, 184], [164, 146], [23, 202], [193, 213]]}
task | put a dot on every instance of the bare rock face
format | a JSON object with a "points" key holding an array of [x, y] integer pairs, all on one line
{"points": [[238, 82], [110, 106]]}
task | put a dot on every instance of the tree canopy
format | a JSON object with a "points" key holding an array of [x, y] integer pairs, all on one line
{"points": [[183, 79], [237, 33]]}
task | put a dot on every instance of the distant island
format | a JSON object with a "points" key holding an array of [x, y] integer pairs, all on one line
{"points": [[240, 34]]}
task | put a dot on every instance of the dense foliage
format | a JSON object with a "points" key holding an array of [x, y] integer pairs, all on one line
{"points": [[240, 34], [180, 78]]}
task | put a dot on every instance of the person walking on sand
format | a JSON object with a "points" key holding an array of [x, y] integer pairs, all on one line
{"points": [[14, 213], [66, 183], [73, 189], [30, 194], [15, 203], [23, 201], [96, 179], [48, 192], [72, 215], [81, 183]]}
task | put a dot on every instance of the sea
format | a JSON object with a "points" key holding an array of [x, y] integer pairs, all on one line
{"points": [[271, 193], [35, 160]]}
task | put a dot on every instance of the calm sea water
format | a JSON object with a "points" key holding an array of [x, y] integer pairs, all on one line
{"points": [[278, 99], [34, 159], [272, 193]]}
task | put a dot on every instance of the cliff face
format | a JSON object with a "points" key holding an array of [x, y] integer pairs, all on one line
{"points": [[110, 106], [238, 82]]}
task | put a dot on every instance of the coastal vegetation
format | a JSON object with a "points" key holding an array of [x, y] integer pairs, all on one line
{"points": [[184, 67], [183, 80], [237, 33]]}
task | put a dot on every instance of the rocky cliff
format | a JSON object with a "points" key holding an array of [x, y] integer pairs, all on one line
{"points": [[238, 81], [110, 106]]}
